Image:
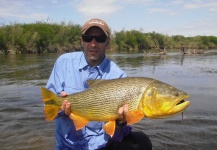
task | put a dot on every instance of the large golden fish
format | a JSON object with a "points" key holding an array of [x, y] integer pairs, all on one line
{"points": [[145, 97]]}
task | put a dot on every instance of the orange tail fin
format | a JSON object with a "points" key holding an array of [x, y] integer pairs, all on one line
{"points": [[51, 108]]}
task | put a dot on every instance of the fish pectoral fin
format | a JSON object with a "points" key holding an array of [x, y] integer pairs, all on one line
{"points": [[109, 128], [79, 121], [134, 116]]}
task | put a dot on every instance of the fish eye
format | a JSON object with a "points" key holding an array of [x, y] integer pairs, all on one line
{"points": [[176, 93], [150, 92]]}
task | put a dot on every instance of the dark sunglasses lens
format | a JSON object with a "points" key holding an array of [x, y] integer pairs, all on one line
{"points": [[101, 38], [87, 38], [98, 38]]}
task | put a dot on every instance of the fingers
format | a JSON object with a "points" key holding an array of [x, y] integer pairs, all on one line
{"points": [[66, 107], [63, 94], [125, 108], [122, 112]]}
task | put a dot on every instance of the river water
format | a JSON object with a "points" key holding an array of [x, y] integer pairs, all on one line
{"points": [[22, 124]]}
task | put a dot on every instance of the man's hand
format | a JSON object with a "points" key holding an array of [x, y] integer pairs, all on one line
{"points": [[122, 113], [66, 105]]}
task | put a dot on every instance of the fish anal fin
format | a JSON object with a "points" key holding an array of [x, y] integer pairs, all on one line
{"points": [[134, 116], [109, 128], [50, 112], [79, 121]]}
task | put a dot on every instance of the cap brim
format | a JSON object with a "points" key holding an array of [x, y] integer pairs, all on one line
{"points": [[85, 30]]}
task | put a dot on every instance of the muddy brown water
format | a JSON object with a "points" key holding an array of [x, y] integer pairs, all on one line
{"points": [[22, 124]]}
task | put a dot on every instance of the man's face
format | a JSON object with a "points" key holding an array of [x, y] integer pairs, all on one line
{"points": [[94, 51]]}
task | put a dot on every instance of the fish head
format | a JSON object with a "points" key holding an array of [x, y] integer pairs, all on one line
{"points": [[161, 100]]}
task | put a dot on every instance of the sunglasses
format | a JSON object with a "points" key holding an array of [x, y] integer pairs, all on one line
{"points": [[98, 38]]}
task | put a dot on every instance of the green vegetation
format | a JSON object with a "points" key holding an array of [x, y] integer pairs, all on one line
{"points": [[138, 41], [49, 38], [40, 38]]}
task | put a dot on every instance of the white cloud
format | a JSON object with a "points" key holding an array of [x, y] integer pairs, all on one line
{"points": [[160, 10], [191, 15], [178, 2], [137, 2], [210, 5], [95, 7], [20, 11]]}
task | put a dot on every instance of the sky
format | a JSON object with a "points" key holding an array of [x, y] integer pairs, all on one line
{"points": [[168, 17]]}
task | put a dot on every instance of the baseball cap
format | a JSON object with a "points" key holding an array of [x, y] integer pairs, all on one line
{"points": [[96, 22]]}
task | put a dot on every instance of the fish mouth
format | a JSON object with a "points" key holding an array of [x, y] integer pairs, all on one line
{"points": [[181, 105], [180, 102]]}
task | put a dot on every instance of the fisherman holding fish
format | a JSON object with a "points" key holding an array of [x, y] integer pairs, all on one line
{"points": [[70, 74]]}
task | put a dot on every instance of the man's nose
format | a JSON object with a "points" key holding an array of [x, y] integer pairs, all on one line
{"points": [[93, 42]]}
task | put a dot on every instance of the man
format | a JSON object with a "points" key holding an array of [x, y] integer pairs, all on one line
{"points": [[69, 75]]}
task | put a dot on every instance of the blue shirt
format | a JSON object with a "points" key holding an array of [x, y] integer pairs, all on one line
{"points": [[70, 73]]}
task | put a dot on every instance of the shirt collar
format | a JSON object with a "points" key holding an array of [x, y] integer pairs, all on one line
{"points": [[83, 63]]}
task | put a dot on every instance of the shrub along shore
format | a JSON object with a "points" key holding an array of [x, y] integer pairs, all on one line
{"points": [[43, 37]]}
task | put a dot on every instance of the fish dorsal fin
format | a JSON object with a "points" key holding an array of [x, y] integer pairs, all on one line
{"points": [[92, 83]]}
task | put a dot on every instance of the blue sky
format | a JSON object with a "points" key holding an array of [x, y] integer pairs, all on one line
{"points": [[171, 17]]}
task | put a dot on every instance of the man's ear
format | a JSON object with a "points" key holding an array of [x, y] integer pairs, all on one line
{"points": [[107, 42], [81, 41]]}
